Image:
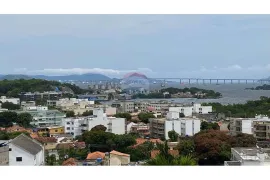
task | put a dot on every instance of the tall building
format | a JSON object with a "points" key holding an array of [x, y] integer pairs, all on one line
{"points": [[42, 117], [189, 110], [76, 126], [160, 127], [258, 126]]}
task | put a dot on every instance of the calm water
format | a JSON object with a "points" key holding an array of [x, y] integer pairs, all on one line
{"points": [[232, 93]]}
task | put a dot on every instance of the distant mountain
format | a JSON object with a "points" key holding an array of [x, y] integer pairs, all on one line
{"points": [[14, 76], [83, 77]]}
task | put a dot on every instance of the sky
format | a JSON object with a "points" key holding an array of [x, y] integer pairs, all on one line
{"points": [[161, 46]]}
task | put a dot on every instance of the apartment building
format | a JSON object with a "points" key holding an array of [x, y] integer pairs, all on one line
{"points": [[160, 127], [258, 126], [124, 106], [189, 110], [4, 99], [42, 117], [50, 95], [28, 103], [76, 126], [253, 156]]}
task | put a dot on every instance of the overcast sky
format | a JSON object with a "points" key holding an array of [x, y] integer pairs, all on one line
{"points": [[215, 46]]}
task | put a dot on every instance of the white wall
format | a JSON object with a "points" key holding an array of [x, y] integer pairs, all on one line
{"points": [[27, 158], [168, 127], [173, 115], [247, 126], [118, 125], [129, 126], [12, 100], [182, 126]]}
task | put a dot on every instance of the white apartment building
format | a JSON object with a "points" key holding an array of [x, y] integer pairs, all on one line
{"points": [[76, 126], [159, 128], [4, 99], [35, 108], [189, 110], [42, 117], [79, 106], [258, 126]]}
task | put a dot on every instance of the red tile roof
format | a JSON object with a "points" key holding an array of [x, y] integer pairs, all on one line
{"points": [[140, 141], [46, 139], [119, 153], [70, 162], [95, 155]]}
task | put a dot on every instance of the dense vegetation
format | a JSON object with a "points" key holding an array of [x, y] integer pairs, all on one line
{"points": [[106, 141], [7, 119], [7, 136], [164, 158], [171, 91], [123, 115], [144, 117], [209, 125], [10, 106], [247, 110], [12, 88], [263, 87], [213, 147]]}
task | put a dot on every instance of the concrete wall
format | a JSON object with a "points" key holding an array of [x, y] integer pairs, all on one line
{"points": [[247, 126], [27, 158], [116, 160], [4, 155]]}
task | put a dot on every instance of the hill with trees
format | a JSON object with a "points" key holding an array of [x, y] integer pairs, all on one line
{"points": [[172, 92], [247, 110], [12, 88]]}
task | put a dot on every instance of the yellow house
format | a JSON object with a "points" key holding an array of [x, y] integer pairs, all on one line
{"points": [[56, 130], [43, 131]]}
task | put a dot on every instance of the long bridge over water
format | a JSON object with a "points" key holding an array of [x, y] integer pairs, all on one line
{"points": [[197, 81], [213, 81]]}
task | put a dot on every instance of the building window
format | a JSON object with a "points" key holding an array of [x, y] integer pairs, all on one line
{"points": [[10, 149], [56, 130], [68, 122], [18, 159], [68, 128], [72, 128], [72, 123]]}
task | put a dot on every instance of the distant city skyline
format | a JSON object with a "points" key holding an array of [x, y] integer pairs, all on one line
{"points": [[195, 46]]}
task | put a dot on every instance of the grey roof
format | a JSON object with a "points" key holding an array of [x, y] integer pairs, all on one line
{"points": [[233, 163], [27, 143]]}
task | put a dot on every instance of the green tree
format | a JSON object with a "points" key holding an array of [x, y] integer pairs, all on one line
{"points": [[164, 158], [181, 115], [120, 142], [186, 147], [173, 136], [244, 140], [24, 119], [10, 106], [144, 117], [4, 121], [99, 128], [87, 113], [70, 114], [127, 116], [212, 147], [209, 125]]}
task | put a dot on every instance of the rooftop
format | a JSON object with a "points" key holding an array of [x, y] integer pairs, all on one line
{"points": [[27, 143], [95, 155], [252, 153]]}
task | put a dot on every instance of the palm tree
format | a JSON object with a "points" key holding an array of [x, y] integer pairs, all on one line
{"points": [[164, 158]]}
